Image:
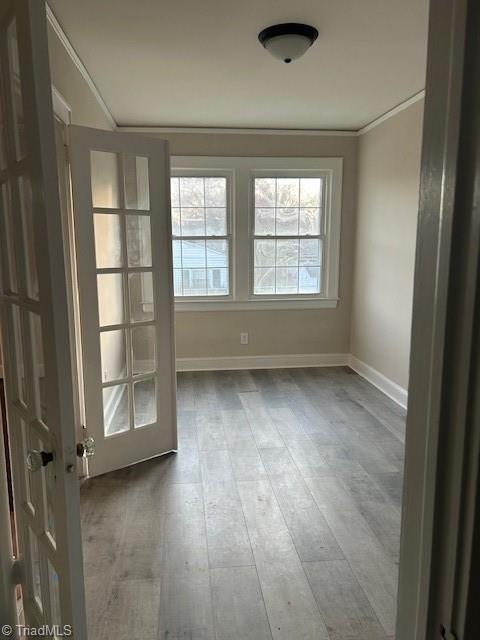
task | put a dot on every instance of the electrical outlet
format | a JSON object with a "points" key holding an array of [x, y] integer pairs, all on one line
{"points": [[244, 338]]}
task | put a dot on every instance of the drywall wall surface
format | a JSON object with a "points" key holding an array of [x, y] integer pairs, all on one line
{"points": [[217, 334], [388, 187]]}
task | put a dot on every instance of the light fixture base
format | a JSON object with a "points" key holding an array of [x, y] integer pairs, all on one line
{"points": [[288, 41]]}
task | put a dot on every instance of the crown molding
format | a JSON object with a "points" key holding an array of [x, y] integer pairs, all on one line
{"points": [[79, 64], [392, 112], [284, 132], [239, 130]]}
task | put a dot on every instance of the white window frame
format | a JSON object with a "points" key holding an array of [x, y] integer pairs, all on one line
{"points": [[229, 237], [240, 217]]}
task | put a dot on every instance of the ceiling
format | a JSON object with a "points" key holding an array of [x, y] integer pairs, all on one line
{"points": [[198, 63]]}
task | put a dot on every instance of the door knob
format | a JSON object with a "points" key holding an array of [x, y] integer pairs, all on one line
{"points": [[86, 448], [38, 459]]}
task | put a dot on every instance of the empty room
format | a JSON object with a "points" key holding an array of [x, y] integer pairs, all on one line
{"points": [[209, 219]]}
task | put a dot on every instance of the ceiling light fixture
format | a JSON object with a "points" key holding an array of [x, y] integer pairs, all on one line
{"points": [[289, 41]]}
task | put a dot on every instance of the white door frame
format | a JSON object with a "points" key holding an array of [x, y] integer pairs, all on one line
{"points": [[443, 296]]}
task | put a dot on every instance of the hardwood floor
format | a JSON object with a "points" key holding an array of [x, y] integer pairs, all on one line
{"points": [[279, 517]]}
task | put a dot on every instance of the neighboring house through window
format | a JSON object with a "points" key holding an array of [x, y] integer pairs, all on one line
{"points": [[200, 236]]}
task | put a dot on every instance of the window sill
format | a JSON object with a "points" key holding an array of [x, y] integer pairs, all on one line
{"points": [[255, 305]]}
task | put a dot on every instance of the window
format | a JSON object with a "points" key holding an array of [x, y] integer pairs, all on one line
{"points": [[256, 233], [287, 235], [201, 243]]}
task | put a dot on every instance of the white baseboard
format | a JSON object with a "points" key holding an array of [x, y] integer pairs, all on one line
{"points": [[391, 389], [263, 362]]}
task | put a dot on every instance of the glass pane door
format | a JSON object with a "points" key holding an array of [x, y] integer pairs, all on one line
{"points": [[34, 313], [122, 231]]}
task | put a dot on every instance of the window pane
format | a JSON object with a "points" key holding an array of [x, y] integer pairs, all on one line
{"points": [[192, 221], [265, 222], [309, 222], [35, 585], [194, 282], [140, 287], [265, 189], [114, 355], [217, 253], [265, 253], [288, 192], [193, 254], [264, 281], [287, 252], [137, 189], [310, 252], [143, 350], [16, 89], [139, 243], [177, 254], [286, 280], [26, 207], [19, 354], [310, 192], [115, 409], [176, 229], [104, 176], [286, 222], [175, 192], [54, 595], [144, 402], [110, 299], [216, 223], [177, 282], [217, 282], [29, 442], [39, 377], [10, 281], [215, 192], [192, 192], [309, 280], [108, 240]]}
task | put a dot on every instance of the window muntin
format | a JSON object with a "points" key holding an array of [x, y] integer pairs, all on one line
{"points": [[201, 239], [288, 235]]}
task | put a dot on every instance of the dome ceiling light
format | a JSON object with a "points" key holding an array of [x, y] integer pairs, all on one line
{"points": [[289, 41]]}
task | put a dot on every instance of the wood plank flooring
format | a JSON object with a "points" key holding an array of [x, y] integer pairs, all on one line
{"points": [[278, 518]]}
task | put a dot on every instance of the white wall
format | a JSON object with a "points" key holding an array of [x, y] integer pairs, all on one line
{"points": [[385, 238]]}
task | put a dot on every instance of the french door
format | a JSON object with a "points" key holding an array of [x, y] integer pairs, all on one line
{"points": [[34, 331], [121, 201]]}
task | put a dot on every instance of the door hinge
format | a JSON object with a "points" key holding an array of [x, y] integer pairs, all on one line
{"points": [[67, 153], [447, 634]]}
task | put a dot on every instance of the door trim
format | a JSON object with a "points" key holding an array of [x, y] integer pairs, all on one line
{"points": [[432, 339]]}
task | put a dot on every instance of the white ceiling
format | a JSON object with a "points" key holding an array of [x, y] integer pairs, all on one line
{"points": [[197, 63]]}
